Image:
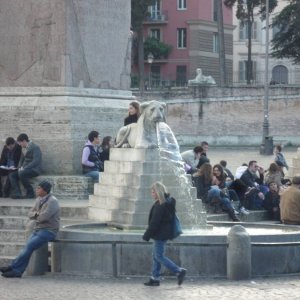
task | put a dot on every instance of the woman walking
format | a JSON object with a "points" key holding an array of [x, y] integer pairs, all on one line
{"points": [[160, 229]]}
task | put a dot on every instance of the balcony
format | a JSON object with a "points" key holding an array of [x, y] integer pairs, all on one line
{"points": [[157, 17]]}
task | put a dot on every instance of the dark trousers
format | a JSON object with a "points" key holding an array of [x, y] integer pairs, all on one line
{"points": [[6, 187], [23, 176]]}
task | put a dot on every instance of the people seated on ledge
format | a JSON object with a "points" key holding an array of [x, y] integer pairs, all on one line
{"points": [[9, 162], [91, 161], [253, 179], [30, 166], [45, 218], [290, 203], [133, 113], [191, 159]]}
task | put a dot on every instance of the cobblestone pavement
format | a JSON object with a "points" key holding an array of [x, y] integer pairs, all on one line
{"points": [[54, 286]]}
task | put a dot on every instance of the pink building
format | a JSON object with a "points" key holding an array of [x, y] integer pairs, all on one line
{"points": [[190, 27]]}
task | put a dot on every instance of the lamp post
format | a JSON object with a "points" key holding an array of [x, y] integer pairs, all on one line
{"points": [[150, 59], [267, 142]]}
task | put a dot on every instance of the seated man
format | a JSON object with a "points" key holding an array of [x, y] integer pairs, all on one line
{"points": [[255, 196], [290, 203], [91, 159], [191, 159], [29, 167], [9, 162], [45, 216]]}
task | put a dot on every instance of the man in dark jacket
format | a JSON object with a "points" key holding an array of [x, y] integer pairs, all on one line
{"points": [[254, 196], [9, 162], [30, 166]]}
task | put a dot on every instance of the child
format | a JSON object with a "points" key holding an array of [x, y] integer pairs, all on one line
{"points": [[271, 202]]}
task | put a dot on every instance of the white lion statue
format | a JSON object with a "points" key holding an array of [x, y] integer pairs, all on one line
{"points": [[150, 131]]}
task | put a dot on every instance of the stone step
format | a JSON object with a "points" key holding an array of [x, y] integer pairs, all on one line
{"points": [[139, 167], [10, 248], [72, 187], [138, 191], [254, 216], [11, 235], [5, 260], [8, 207]]}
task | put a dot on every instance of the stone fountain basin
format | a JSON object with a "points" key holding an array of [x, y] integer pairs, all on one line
{"points": [[87, 249]]}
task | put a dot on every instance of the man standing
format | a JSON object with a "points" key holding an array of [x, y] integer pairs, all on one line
{"points": [[45, 215], [30, 166], [92, 164], [290, 203], [9, 162]]}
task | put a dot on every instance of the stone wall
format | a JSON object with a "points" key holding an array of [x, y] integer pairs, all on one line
{"points": [[78, 43], [231, 116]]}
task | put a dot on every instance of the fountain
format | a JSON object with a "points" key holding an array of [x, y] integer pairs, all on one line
{"points": [[120, 206]]}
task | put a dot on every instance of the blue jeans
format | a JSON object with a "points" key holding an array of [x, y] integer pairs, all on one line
{"points": [[23, 176], [35, 241], [94, 175], [215, 192], [159, 259]]}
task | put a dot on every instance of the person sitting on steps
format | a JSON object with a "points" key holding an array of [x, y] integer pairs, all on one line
{"points": [[29, 167], [9, 162]]}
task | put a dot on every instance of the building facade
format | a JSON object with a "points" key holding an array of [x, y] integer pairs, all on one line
{"points": [[190, 27], [281, 71]]}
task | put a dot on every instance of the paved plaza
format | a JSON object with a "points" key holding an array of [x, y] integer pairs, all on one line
{"points": [[53, 287]]}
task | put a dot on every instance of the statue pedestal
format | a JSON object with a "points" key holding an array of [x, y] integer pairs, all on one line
{"points": [[59, 120], [123, 196]]}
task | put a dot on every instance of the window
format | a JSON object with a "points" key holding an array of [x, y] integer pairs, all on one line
{"points": [[155, 10], [276, 29], [181, 75], [181, 4], [181, 38], [155, 76], [155, 33], [243, 70], [215, 42], [244, 31], [280, 74]]}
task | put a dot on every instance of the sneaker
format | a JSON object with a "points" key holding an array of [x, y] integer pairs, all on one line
{"points": [[244, 211], [152, 282], [5, 269], [236, 212], [181, 276], [11, 274]]}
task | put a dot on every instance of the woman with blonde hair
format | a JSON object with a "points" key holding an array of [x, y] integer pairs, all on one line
{"points": [[160, 229], [133, 113]]}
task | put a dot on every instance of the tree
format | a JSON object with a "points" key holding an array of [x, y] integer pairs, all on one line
{"points": [[286, 42], [157, 48], [222, 54], [245, 13], [139, 12]]}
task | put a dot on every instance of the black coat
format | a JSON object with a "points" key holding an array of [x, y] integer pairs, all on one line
{"points": [[160, 222], [202, 187], [250, 179], [131, 119], [16, 154]]}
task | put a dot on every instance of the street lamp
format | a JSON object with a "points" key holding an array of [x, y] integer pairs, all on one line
{"points": [[150, 59], [267, 141]]}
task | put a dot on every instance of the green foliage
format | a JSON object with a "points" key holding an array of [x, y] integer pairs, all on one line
{"points": [[286, 42], [157, 48], [245, 8]]}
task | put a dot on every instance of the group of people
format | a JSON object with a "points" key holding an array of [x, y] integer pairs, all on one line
{"points": [[20, 160], [250, 188], [95, 153]]}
